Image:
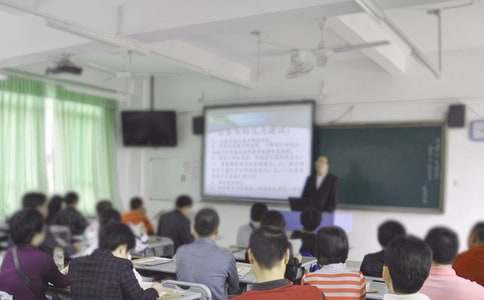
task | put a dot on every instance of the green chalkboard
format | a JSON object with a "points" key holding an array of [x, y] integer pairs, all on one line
{"points": [[391, 167]]}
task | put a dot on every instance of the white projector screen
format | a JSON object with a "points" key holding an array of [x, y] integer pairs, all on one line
{"points": [[257, 152]]}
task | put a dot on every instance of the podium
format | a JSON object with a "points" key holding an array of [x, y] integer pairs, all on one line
{"points": [[341, 219]]}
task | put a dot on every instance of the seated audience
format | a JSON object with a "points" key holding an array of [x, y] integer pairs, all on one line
{"points": [[204, 262], [55, 205], [273, 218], [51, 241], [310, 219], [470, 264], [27, 271], [373, 263], [108, 272], [256, 214], [443, 283], [175, 224], [335, 279], [269, 255], [406, 267], [70, 216], [106, 216], [137, 215], [92, 230]]}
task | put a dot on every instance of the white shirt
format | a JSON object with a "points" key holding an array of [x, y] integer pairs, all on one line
{"points": [[319, 181], [416, 296]]}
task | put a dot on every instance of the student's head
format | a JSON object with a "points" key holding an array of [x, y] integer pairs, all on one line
{"points": [[206, 223], [27, 227], [136, 203], [322, 166], [36, 201], [407, 264], [389, 230], [444, 244], [103, 205], [184, 204], [257, 212], [117, 238], [273, 218], [72, 199], [476, 238], [310, 219], [332, 246], [269, 251], [55, 205], [109, 215]]}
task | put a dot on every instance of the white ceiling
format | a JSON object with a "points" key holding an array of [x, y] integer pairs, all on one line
{"points": [[230, 39]]}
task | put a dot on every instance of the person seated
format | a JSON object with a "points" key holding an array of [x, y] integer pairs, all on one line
{"points": [[106, 216], [137, 215], [273, 218], [269, 255], [406, 266], [470, 264], [108, 272], [55, 205], [372, 264], [26, 271], [38, 201], [257, 212], [92, 231], [443, 282], [70, 216], [204, 262], [175, 224], [310, 219], [332, 252]]}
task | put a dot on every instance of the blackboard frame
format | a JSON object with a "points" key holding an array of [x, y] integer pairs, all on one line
{"points": [[443, 163]]}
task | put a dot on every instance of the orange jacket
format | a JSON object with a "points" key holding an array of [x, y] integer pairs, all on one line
{"points": [[136, 217]]}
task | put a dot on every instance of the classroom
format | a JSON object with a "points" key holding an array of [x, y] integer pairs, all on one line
{"points": [[258, 149]]}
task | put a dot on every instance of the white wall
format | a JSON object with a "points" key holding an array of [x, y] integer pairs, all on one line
{"points": [[375, 97]]}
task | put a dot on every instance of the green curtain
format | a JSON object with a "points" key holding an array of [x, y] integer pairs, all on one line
{"points": [[22, 141], [84, 147]]}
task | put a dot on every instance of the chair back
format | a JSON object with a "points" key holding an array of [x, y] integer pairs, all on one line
{"points": [[202, 289]]}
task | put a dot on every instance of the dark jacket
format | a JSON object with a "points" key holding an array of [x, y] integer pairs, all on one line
{"points": [[175, 226], [71, 218], [322, 198], [308, 239], [372, 264], [102, 276]]}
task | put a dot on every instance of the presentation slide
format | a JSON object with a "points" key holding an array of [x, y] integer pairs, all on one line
{"points": [[259, 152]]}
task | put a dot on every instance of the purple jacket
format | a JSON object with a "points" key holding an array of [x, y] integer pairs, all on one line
{"points": [[38, 266]]}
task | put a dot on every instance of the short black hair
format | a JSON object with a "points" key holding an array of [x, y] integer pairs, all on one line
{"points": [[136, 203], [310, 219], [24, 225], [206, 222], [273, 218], [72, 198], [408, 260], [33, 200], [257, 211], [102, 205], [478, 232], [268, 246], [332, 245], [388, 230], [184, 201], [55, 205], [115, 234], [444, 244], [109, 215]]}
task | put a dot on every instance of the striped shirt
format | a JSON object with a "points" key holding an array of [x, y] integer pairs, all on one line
{"points": [[337, 282]]}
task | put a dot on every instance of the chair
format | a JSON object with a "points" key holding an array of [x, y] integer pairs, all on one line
{"points": [[5, 296], [192, 287]]}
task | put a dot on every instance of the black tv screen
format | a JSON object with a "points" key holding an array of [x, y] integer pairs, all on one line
{"points": [[149, 128]]}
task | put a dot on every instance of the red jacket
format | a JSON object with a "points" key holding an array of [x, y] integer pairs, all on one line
{"points": [[286, 292], [470, 265]]}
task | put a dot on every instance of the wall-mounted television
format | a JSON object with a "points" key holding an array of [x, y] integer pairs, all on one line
{"points": [[149, 128]]}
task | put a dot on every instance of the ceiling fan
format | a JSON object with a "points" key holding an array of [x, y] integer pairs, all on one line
{"points": [[303, 61]]}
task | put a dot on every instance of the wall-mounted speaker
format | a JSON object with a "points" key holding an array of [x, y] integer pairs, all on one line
{"points": [[456, 117], [198, 125]]}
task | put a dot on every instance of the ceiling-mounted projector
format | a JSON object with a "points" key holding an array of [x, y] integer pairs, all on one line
{"points": [[65, 66]]}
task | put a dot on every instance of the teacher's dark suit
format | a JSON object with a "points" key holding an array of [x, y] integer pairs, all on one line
{"points": [[322, 198]]}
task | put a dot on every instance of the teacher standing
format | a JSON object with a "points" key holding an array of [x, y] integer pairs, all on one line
{"points": [[320, 188]]}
